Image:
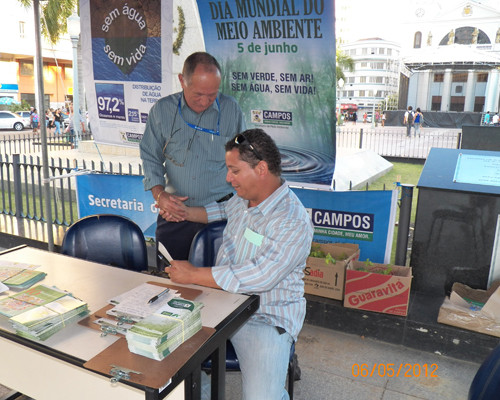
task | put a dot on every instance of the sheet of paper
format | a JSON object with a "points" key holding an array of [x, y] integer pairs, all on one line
{"points": [[164, 252], [134, 303]]}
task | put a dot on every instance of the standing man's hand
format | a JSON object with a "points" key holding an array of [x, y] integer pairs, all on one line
{"points": [[171, 207]]}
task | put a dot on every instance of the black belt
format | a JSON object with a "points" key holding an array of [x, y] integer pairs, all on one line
{"points": [[225, 198]]}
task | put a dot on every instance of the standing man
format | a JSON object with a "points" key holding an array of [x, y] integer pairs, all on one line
{"points": [[182, 149], [264, 249], [408, 120]]}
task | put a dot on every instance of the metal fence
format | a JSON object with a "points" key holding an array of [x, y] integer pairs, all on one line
{"points": [[393, 142], [22, 180], [21, 176], [23, 143]]}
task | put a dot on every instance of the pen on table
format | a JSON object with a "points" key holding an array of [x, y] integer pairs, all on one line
{"points": [[154, 298]]}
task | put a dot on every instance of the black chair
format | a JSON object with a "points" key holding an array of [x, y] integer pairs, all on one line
{"points": [[486, 382], [203, 253], [107, 239]]}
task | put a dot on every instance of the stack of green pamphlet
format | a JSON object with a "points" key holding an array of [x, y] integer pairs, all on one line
{"points": [[39, 312], [160, 333], [19, 276]]}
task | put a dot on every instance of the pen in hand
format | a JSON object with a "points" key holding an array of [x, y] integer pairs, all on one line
{"points": [[154, 298]]}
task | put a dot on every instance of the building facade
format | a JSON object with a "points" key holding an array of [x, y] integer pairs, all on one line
{"points": [[453, 53], [374, 83], [17, 52]]}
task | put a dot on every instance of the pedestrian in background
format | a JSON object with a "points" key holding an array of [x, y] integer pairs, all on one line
{"points": [[417, 121], [35, 121], [57, 121], [487, 118], [408, 120]]}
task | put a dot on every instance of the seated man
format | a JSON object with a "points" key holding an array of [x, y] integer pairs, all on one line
{"points": [[264, 250]]}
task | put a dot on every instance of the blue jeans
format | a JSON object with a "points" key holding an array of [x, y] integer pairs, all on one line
{"points": [[263, 355]]}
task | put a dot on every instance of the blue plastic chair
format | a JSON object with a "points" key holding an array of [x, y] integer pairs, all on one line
{"points": [[107, 239], [486, 382], [203, 253]]}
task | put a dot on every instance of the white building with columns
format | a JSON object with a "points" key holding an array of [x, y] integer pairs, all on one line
{"points": [[455, 56]]}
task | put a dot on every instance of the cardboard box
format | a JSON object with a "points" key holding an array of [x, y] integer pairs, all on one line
{"points": [[473, 309], [366, 288], [327, 279]]}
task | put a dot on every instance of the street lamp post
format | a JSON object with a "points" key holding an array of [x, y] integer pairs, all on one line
{"points": [[74, 33]]}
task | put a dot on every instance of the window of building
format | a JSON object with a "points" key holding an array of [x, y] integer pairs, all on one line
{"points": [[381, 50], [361, 93], [21, 29], [479, 104], [26, 68], [363, 64], [389, 52], [350, 79], [457, 103], [438, 77], [459, 77], [350, 93], [362, 79], [482, 77], [352, 52], [459, 89], [417, 40], [436, 103], [364, 51]]}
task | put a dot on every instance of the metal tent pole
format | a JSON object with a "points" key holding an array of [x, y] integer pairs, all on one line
{"points": [[43, 129]]}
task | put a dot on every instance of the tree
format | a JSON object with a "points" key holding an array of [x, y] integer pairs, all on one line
{"points": [[53, 15], [344, 62]]}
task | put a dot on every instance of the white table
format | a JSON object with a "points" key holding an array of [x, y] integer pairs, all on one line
{"points": [[53, 369]]}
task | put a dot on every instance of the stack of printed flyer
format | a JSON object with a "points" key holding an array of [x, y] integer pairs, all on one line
{"points": [[19, 275], [167, 328], [39, 312]]}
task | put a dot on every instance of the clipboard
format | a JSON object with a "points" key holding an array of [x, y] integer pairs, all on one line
{"points": [[89, 321], [146, 371]]}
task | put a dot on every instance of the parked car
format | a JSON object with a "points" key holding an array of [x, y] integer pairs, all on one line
{"points": [[9, 120], [25, 115]]}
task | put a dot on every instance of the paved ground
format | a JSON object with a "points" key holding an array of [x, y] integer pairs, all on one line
{"points": [[329, 363]]}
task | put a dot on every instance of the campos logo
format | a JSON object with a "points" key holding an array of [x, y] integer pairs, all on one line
{"points": [[269, 117]]}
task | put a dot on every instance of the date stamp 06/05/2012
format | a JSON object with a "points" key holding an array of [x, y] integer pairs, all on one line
{"points": [[394, 370]]}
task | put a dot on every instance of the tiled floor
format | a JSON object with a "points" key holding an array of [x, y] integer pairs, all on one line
{"points": [[329, 363]]}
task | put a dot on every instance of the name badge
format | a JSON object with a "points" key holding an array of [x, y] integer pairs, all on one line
{"points": [[253, 237]]}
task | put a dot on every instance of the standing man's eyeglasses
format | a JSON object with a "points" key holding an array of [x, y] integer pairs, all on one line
{"points": [[242, 139]]}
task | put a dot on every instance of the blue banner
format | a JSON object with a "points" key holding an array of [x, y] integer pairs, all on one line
{"points": [[117, 194], [278, 61], [365, 217]]}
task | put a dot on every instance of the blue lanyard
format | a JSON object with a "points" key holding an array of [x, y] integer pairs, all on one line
{"points": [[199, 128]]}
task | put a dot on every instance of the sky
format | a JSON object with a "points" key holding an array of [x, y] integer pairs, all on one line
{"points": [[373, 19], [387, 18]]}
